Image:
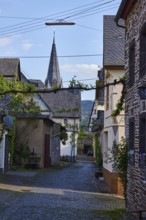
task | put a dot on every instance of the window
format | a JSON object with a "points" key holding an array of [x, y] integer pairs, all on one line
{"points": [[143, 51], [131, 133], [131, 63], [142, 139], [131, 140], [65, 121]]}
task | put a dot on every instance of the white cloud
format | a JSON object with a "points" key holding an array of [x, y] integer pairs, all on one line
{"points": [[81, 71], [26, 45], [5, 41], [84, 72]]}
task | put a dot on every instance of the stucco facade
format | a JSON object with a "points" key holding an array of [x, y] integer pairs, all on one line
{"points": [[38, 128], [71, 124], [114, 128]]}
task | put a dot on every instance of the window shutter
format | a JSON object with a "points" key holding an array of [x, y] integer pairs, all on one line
{"points": [[142, 55], [132, 64], [142, 136], [131, 133]]}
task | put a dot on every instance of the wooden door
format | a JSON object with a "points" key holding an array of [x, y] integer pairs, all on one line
{"points": [[47, 157]]}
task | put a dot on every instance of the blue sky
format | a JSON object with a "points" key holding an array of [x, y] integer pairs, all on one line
{"points": [[18, 37]]}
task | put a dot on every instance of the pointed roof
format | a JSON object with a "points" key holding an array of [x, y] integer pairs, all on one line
{"points": [[10, 68], [53, 76]]}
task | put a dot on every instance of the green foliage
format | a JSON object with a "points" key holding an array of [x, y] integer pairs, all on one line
{"points": [[21, 152], [9, 85], [99, 83], [98, 154], [77, 84], [18, 101], [82, 134], [75, 109], [120, 160], [63, 137], [73, 139], [120, 103], [119, 107], [11, 138]]}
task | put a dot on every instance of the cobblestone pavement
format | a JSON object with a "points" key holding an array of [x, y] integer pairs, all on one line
{"points": [[59, 193]]}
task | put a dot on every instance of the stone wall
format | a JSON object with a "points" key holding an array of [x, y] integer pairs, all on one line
{"points": [[136, 199]]}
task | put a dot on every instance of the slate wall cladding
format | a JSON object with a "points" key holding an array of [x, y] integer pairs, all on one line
{"points": [[136, 195]]}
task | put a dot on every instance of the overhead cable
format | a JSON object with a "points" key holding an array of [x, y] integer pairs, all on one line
{"points": [[35, 24]]}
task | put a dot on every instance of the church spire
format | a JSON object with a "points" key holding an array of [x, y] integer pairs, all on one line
{"points": [[53, 75]]}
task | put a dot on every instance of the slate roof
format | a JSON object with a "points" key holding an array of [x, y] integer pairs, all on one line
{"points": [[64, 104], [23, 78], [53, 75], [10, 67], [113, 42], [24, 115], [66, 99], [38, 83]]}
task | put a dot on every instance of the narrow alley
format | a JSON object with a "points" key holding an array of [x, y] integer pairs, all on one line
{"points": [[58, 193]]}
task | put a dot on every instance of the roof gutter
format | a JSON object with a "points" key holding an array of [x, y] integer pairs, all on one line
{"points": [[123, 11], [119, 25], [119, 14], [120, 10]]}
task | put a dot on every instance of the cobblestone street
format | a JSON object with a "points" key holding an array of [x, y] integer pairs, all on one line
{"points": [[59, 193]]}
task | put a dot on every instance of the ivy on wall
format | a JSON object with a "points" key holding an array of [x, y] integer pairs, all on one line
{"points": [[120, 160], [11, 138], [98, 154], [120, 103]]}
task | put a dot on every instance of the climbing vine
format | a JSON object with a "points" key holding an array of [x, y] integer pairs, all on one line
{"points": [[11, 138], [98, 154], [120, 160], [63, 137], [120, 103], [11, 104]]}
